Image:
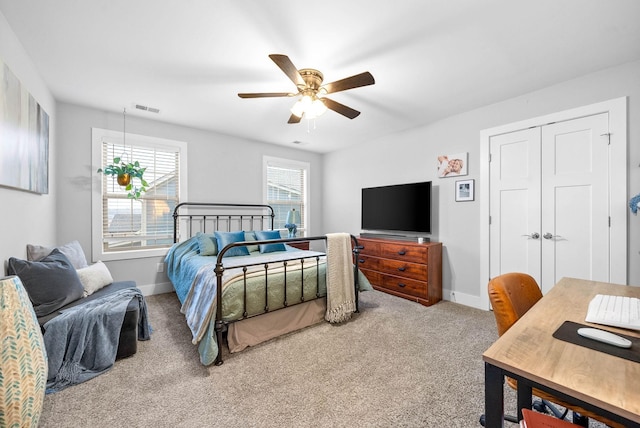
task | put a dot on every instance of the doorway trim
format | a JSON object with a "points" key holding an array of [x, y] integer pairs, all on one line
{"points": [[617, 109]]}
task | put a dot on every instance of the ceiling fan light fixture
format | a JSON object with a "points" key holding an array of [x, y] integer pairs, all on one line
{"points": [[318, 107], [297, 109], [310, 106]]}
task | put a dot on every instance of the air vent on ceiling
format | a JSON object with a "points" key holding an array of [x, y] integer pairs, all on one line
{"points": [[149, 109]]}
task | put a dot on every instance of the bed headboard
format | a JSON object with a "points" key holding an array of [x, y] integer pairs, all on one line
{"points": [[208, 217]]}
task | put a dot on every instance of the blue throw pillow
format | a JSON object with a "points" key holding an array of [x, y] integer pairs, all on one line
{"points": [[225, 238], [206, 244], [264, 235]]}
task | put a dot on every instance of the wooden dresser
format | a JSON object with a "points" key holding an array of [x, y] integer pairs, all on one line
{"points": [[403, 268]]}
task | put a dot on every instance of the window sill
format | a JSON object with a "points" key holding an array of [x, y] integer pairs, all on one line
{"points": [[130, 254]]}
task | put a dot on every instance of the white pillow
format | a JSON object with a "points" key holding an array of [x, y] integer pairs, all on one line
{"points": [[94, 277]]}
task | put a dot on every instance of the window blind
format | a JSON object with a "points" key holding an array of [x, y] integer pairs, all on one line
{"points": [[286, 187], [147, 222]]}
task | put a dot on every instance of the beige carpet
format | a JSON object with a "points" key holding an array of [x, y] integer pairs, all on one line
{"points": [[397, 363]]}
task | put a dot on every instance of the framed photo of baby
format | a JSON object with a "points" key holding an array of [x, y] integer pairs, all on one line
{"points": [[452, 165]]}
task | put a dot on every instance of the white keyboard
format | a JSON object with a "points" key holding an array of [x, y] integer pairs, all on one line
{"points": [[616, 311]]}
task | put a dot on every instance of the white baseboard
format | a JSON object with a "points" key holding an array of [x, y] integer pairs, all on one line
{"points": [[462, 298], [150, 289]]}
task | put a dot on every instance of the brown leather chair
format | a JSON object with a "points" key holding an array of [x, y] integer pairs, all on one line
{"points": [[511, 296]]}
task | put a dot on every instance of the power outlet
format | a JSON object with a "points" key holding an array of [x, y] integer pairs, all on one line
{"points": [[160, 267]]}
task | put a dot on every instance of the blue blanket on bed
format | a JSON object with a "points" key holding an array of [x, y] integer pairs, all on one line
{"points": [[82, 342], [183, 263]]}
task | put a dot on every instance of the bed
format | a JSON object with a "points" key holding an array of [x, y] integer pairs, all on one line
{"points": [[269, 285]]}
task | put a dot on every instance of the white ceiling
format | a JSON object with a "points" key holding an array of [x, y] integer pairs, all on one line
{"points": [[430, 58]]}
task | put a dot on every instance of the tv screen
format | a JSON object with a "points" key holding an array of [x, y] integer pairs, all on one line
{"points": [[401, 207]]}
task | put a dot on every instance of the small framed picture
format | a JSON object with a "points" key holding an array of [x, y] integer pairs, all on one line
{"points": [[452, 165], [464, 190]]}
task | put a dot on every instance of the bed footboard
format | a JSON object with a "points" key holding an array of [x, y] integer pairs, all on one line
{"points": [[300, 256]]}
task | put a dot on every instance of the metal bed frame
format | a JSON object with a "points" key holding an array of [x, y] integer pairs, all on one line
{"points": [[249, 214]]}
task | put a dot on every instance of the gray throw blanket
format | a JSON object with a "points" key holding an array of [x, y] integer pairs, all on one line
{"points": [[82, 342]]}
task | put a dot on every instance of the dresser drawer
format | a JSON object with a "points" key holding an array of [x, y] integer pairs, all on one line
{"points": [[370, 248], [405, 285], [402, 268], [374, 277], [367, 262], [409, 253]]}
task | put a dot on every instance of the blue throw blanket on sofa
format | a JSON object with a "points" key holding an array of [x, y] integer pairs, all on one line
{"points": [[82, 342]]}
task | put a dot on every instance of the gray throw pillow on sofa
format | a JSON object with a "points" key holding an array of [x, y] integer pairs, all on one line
{"points": [[51, 282], [73, 251]]}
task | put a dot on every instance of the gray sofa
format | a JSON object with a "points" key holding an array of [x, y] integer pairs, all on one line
{"points": [[128, 343]]}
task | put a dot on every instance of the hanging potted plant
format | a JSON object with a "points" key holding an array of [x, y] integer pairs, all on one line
{"points": [[125, 174]]}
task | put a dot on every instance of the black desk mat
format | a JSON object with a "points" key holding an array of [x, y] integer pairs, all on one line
{"points": [[568, 332]]}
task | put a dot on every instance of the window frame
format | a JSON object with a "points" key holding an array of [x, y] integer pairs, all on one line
{"points": [[98, 137], [292, 164]]}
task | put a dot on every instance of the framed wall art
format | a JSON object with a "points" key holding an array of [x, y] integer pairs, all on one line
{"points": [[452, 165], [24, 137], [464, 190]]}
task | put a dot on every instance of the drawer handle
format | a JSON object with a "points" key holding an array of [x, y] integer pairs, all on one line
{"points": [[402, 269], [402, 252], [401, 284]]}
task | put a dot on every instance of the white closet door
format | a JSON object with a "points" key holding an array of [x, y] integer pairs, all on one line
{"points": [[515, 203], [575, 200]]}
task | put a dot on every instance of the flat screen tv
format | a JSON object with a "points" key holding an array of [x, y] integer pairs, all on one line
{"points": [[400, 207]]}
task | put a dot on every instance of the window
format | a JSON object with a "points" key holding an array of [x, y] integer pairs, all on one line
{"points": [[125, 228], [286, 188]]}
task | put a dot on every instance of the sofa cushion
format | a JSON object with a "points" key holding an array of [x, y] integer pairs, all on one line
{"points": [[51, 282], [118, 285], [73, 251]]}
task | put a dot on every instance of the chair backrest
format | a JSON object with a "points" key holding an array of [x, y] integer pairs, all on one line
{"points": [[23, 358], [511, 296]]}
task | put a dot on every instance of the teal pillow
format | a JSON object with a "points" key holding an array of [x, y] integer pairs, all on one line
{"points": [[225, 238], [206, 244], [265, 235]]}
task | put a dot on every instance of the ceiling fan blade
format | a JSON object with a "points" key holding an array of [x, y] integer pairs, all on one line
{"points": [[266, 94], [294, 119], [362, 79], [340, 108], [289, 69]]}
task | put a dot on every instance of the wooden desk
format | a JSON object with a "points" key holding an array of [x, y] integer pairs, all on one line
{"points": [[594, 380]]}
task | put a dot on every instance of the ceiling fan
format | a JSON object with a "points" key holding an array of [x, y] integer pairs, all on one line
{"points": [[312, 102]]}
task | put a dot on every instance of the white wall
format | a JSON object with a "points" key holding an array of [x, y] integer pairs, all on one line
{"points": [[411, 156], [27, 217], [220, 169]]}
